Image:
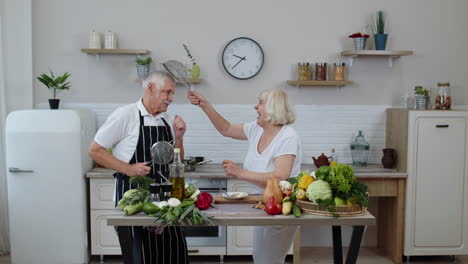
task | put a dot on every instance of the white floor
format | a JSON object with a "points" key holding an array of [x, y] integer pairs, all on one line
{"points": [[309, 255]]}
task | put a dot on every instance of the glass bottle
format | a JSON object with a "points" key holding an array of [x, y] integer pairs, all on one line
{"points": [[360, 151], [333, 158], [177, 169], [443, 100]]}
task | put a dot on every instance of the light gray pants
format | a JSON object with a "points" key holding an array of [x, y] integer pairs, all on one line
{"points": [[271, 243]]}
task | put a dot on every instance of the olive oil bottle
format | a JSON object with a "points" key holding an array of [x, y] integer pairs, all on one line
{"points": [[177, 169]]}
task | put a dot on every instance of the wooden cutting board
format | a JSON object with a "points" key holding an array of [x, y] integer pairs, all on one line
{"points": [[246, 200]]}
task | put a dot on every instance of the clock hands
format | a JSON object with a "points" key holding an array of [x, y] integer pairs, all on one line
{"points": [[241, 59]]}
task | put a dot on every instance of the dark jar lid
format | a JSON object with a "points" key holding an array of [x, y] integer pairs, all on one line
{"points": [[154, 187], [166, 187]]}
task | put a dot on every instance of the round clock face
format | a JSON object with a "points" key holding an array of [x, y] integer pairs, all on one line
{"points": [[242, 58]]}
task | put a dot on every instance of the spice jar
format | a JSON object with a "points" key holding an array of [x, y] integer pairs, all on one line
{"points": [[339, 71], [443, 101], [303, 70], [321, 71]]}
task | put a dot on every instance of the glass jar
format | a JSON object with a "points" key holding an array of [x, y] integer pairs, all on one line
{"points": [[360, 151], [321, 71], [443, 100], [303, 70], [339, 71]]}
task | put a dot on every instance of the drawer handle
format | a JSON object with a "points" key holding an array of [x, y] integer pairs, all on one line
{"points": [[442, 126], [17, 170], [193, 250]]}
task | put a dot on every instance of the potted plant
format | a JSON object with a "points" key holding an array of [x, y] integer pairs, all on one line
{"points": [[380, 37], [422, 97], [143, 66], [56, 84], [195, 71], [359, 40]]}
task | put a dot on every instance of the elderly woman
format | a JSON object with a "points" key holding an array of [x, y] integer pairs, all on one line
{"points": [[274, 150]]}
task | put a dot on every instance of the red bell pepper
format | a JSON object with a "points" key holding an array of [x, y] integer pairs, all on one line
{"points": [[273, 207], [204, 201]]}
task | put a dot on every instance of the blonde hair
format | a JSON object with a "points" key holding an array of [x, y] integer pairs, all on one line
{"points": [[277, 107]]}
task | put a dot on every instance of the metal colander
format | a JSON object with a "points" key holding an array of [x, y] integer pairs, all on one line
{"points": [[178, 71]]}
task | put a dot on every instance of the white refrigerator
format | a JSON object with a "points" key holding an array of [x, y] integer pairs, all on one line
{"points": [[46, 154]]}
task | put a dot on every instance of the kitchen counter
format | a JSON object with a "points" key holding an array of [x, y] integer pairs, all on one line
{"points": [[216, 171]]}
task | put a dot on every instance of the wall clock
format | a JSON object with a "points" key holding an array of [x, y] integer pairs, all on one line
{"points": [[242, 58]]}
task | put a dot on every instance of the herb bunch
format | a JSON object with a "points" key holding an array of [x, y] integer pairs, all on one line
{"points": [[146, 61], [142, 182], [419, 90], [186, 211]]}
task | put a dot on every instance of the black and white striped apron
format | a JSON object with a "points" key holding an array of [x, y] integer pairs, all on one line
{"points": [[139, 245]]}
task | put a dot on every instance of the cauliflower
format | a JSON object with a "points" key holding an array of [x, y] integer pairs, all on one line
{"points": [[173, 202], [319, 190]]}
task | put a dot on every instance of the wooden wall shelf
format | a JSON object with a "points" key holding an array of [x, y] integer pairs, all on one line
{"points": [[116, 51], [318, 83], [390, 54]]}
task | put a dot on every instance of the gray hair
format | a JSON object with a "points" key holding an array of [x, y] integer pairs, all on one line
{"points": [[277, 107], [158, 78]]}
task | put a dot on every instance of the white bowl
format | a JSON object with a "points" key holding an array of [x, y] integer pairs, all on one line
{"points": [[235, 195]]}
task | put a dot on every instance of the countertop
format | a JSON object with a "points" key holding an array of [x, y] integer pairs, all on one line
{"points": [[216, 171], [245, 215]]}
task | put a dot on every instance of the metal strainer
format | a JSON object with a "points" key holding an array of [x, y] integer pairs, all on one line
{"points": [[178, 71], [162, 152]]}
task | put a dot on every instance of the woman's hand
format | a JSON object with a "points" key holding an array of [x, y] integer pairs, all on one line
{"points": [[179, 127], [196, 98], [232, 169]]}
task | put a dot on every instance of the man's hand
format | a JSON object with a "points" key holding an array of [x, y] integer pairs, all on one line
{"points": [[179, 127], [140, 168], [232, 169], [196, 98]]}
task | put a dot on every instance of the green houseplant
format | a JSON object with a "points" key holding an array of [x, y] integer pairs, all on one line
{"points": [[143, 66], [422, 97], [56, 84], [380, 37]]}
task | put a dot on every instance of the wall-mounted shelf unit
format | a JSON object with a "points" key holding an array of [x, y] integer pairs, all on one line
{"points": [[318, 83], [391, 55], [116, 51]]}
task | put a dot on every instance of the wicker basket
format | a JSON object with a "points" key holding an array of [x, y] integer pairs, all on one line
{"points": [[338, 210]]}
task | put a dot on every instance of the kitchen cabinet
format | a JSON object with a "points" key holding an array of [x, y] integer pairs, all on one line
{"points": [[104, 240], [432, 148], [240, 238]]}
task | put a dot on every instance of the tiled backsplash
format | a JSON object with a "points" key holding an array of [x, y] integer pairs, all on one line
{"points": [[321, 128]]}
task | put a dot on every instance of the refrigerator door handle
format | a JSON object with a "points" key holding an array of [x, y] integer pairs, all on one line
{"points": [[15, 170]]}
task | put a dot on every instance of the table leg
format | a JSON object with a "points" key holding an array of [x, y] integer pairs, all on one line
{"points": [[337, 245], [297, 246], [355, 244]]}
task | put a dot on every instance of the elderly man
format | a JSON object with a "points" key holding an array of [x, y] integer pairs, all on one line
{"points": [[130, 131]]}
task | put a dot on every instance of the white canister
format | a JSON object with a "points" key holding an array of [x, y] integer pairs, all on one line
{"points": [[110, 40], [94, 40]]}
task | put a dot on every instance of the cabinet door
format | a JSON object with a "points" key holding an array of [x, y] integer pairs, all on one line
{"points": [[101, 191], [104, 240], [439, 182], [239, 238]]}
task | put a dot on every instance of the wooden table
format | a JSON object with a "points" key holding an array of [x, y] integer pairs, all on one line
{"points": [[245, 215]]}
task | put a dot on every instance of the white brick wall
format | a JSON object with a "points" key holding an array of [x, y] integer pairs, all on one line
{"points": [[321, 128]]}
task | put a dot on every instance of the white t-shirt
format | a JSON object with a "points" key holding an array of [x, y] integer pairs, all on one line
{"points": [[122, 128], [285, 142]]}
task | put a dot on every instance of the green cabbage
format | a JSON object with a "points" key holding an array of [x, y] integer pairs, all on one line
{"points": [[319, 190]]}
